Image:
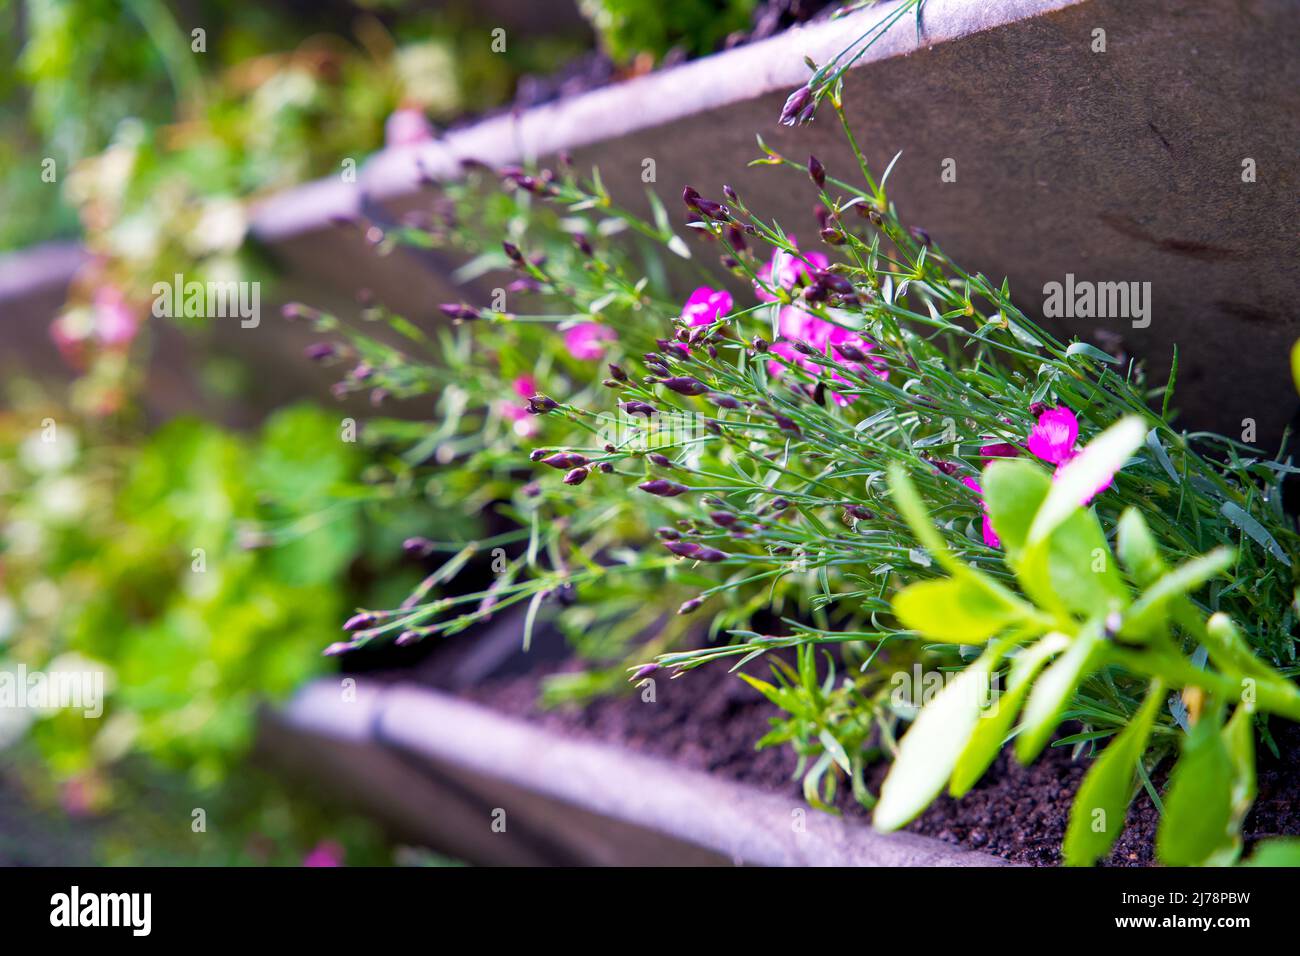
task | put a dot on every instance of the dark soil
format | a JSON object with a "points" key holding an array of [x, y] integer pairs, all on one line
{"points": [[708, 720]]}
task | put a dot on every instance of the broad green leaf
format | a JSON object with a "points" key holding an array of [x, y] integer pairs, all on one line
{"points": [[1053, 691], [1198, 805], [1137, 547], [955, 609], [1101, 805], [929, 750], [1013, 492], [1239, 742], [1095, 465], [1274, 853], [995, 722], [1229, 650], [1073, 569]]}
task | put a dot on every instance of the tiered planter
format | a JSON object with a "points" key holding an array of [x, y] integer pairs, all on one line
{"points": [[1122, 165]]}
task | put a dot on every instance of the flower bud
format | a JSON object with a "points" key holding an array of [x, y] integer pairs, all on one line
{"points": [[576, 477], [662, 487], [817, 171], [685, 385], [565, 459]]}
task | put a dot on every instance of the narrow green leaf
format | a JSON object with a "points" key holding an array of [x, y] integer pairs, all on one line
{"points": [[1101, 805], [1255, 530], [1151, 611]]}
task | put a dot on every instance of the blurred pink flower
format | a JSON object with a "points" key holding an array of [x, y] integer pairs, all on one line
{"points": [[586, 340], [524, 387], [325, 853], [705, 306], [115, 322], [999, 450], [796, 325], [785, 270], [407, 126], [986, 527]]}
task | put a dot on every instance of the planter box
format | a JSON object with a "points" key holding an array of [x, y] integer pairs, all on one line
{"points": [[1115, 166], [440, 771]]}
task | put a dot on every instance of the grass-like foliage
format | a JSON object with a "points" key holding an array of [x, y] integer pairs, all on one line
{"points": [[756, 423]]}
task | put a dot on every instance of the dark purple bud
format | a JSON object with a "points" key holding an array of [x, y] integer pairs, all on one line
{"points": [[780, 504], [512, 251], [691, 196], [817, 171], [822, 215], [362, 372], [540, 405], [419, 547], [565, 459], [736, 239], [668, 534], [685, 385], [712, 427], [946, 467], [459, 312], [617, 372], [851, 352], [644, 671], [583, 243], [638, 408], [723, 401], [683, 549], [786, 424], [730, 194], [610, 447], [576, 477], [832, 237], [1037, 408], [663, 488], [759, 344], [805, 348], [713, 210], [689, 606], [363, 619], [710, 555], [729, 262], [798, 108], [406, 638], [319, 351], [723, 519], [920, 235], [858, 512], [606, 468], [531, 490], [660, 460], [537, 454], [337, 648]]}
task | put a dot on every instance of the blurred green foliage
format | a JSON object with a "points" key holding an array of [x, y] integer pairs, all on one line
{"points": [[631, 27]]}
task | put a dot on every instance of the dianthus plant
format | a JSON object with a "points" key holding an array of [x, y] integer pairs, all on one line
{"points": [[753, 414]]}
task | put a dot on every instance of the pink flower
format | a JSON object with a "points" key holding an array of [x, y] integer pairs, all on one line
{"points": [[1053, 437], [406, 127], [999, 450], [585, 340], [785, 270], [705, 306], [796, 325], [986, 527], [325, 853], [115, 322], [524, 387]]}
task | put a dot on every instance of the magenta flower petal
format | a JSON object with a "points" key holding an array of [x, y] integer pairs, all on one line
{"points": [[990, 536], [586, 340], [999, 450], [1053, 437], [706, 305]]}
